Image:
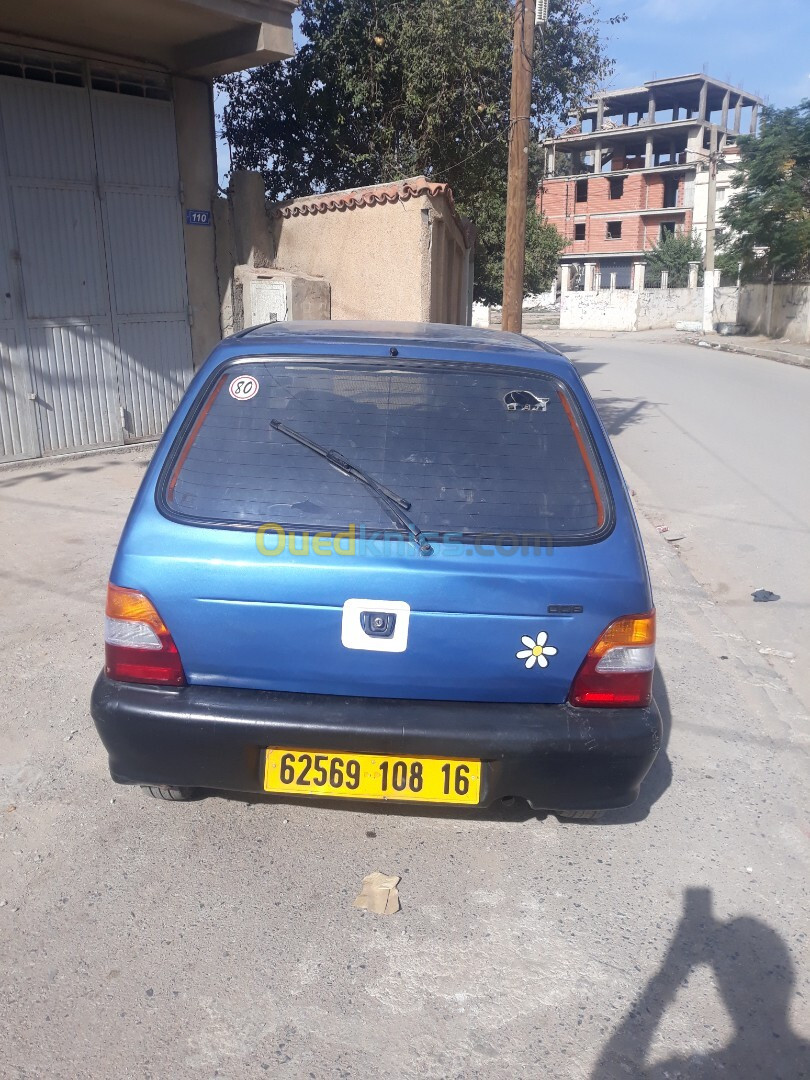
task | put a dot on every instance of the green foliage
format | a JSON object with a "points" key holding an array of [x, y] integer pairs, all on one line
{"points": [[673, 253], [767, 219], [386, 89]]}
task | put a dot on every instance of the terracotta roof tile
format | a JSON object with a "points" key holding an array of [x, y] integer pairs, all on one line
{"points": [[378, 195]]}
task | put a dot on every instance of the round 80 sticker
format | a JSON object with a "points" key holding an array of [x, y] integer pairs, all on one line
{"points": [[244, 388]]}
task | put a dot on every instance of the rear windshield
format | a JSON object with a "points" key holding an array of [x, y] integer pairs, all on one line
{"points": [[475, 451]]}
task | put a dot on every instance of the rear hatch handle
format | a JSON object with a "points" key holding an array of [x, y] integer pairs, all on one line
{"points": [[393, 503]]}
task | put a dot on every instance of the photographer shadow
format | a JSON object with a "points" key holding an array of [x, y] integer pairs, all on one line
{"points": [[755, 977]]}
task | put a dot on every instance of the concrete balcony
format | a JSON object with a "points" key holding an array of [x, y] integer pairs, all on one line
{"points": [[188, 37]]}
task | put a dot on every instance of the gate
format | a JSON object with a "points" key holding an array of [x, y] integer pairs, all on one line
{"points": [[95, 347]]}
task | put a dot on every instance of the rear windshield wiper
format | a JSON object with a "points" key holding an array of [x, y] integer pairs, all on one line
{"points": [[393, 503]]}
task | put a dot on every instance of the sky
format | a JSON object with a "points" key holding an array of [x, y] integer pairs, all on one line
{"points": [[762, 46]]}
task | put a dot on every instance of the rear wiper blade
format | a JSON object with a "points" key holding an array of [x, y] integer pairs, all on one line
{"points": [[393, 503]]}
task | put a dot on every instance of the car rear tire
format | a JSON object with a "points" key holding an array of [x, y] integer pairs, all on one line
{"points": [[170, 794], [579, 815]]}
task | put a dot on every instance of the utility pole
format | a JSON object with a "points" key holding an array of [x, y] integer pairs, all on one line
{"points": [[711, 200], [711, 211], [514, 259]]}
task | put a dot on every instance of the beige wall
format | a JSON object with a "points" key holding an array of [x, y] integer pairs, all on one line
{"points": [[403, 260], [450, 264]]}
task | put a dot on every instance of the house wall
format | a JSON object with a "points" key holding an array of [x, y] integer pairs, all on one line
{"points": [[197, 161], [724, 190], [642, 191], [362, 253], [406, 259]]}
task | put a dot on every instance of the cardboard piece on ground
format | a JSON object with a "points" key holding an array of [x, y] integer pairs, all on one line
{"points": [[379, 894]]}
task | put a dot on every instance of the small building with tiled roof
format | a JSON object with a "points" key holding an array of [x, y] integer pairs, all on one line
{"points": [[388, 251]]}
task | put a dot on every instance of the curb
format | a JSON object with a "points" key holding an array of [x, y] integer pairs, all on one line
{"points": [[780, 356]]}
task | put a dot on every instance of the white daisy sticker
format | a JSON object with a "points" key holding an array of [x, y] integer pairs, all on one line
{"points": [[536, 651]]}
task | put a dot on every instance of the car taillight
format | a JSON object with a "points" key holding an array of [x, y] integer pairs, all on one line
{"points": [[138, 646], [618, 670]]}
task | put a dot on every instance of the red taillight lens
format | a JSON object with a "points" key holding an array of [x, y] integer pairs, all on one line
{"points": [[618, 670], [138, 646]]}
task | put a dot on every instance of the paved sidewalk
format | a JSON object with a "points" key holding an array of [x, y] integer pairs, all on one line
{"points": [[783, 351]]}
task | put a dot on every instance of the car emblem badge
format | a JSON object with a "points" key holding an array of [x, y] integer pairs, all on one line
{"points": [[536, 651]]}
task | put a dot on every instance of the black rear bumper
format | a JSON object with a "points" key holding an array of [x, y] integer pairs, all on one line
{"points": [[554, 756]]}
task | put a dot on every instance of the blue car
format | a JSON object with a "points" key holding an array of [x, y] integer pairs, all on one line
{"points": [[382, 561]]}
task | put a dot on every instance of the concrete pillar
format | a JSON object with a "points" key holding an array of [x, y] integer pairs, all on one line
{"points": [[597, 158], [254, 244], [664, 280], [648, 153], [738, 115], [704, 96], [724, 114], [613, 281], [769, 308], [600, 113], [711, 280], [694, 270], [226, 261], [565, 278], [694, 145], [551, 159], [639, 270], [590, 275], [651, 109], [754, 118], [197, 161]]}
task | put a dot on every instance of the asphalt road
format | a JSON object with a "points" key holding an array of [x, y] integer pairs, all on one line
{"points": [[218, 938], [717, 448]]}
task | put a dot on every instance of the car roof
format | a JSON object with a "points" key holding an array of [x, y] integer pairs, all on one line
{"points": [[418, 340]]}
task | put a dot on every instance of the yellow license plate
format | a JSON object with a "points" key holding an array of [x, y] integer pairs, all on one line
{"points": [[372, 776]]}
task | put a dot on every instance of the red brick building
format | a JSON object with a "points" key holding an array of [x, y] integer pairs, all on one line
{"points": [[636, 165]]}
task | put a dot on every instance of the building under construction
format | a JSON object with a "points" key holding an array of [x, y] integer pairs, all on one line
{"points": [[635, 164]]}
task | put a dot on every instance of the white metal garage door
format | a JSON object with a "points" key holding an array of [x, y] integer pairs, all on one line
{"points": [[94, 337]]}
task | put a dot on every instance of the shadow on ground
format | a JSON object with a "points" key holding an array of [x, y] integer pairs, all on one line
{"points": [[755, 977]]}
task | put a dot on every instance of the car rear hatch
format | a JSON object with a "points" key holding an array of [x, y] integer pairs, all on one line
{"points": [[276, 567]]}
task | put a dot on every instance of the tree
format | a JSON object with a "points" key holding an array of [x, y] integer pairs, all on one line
{"points": [[385, 89], [673, 253], [767, 219]]}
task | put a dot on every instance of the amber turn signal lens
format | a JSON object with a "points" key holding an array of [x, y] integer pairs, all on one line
{"points": [[629, 630], [133, 606]]}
